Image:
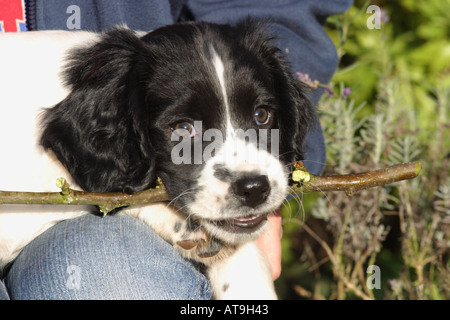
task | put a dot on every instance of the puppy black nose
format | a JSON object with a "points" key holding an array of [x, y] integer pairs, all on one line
{"points": [[252, 190]]}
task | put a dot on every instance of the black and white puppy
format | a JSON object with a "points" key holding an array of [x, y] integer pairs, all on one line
{"points": [[111, 111]]}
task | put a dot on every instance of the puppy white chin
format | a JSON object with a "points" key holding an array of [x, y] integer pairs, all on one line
{"points": [[237, 230]]}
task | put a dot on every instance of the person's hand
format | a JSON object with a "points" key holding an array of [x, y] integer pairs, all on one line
{"points": [[270, 244]]}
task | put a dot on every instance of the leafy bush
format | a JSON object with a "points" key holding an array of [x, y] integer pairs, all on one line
{"points": [[387, 103]]}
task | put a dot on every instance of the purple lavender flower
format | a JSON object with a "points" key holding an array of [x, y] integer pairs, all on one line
{"points": [[384, 18], [304, 77], [329, 92], [347, 91]]}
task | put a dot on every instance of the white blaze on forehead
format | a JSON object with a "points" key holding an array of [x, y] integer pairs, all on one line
{"points": [[236, 153], [238, 157], [220, 71]]}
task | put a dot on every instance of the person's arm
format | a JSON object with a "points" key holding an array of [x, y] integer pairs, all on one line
{"points": [[95, 15]]}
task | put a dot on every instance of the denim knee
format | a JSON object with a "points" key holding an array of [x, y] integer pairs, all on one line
{"points": [[115, 257]]}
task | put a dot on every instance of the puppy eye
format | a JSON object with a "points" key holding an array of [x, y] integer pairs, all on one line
{"points": [[262, 116], [184, 129]]}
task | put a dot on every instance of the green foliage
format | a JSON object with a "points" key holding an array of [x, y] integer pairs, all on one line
{"points": [[398, 111]]}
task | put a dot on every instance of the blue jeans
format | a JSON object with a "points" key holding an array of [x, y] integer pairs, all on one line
{"points": [[115, 257]]}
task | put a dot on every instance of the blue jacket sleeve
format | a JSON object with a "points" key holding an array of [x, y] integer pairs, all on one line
{"points": [[98, 15], [299, 28]]}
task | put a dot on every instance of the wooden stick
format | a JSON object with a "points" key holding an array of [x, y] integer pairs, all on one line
{"points": [[105, 201], [304, 182], [353, 183]]}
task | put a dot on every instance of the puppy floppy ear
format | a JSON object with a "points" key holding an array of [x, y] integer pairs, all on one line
{"points": [[296, 116], [100, 130]]}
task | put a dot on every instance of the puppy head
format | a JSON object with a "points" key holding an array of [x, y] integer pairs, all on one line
{"points": [[206, 107]]}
